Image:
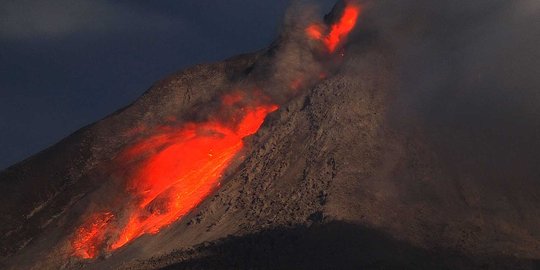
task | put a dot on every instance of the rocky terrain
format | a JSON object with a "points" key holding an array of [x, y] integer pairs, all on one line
{"points": [[347, 174]]}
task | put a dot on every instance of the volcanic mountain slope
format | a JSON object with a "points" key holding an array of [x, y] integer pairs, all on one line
{"points": [[341, 176]]}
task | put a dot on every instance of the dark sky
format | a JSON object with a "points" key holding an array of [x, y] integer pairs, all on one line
{"points": [[65, 64]]}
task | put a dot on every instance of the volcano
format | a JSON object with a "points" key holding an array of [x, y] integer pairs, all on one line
{"points": [[304, 155]]}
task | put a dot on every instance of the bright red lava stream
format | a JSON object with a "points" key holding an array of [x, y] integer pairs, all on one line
{"points": [[180, 168], [177, 168], [186, 169]]}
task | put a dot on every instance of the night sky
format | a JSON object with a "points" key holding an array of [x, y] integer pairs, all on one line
{"points": [[65, 64]]}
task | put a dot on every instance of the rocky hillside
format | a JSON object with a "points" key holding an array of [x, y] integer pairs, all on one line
{"points": [[346, 174]]}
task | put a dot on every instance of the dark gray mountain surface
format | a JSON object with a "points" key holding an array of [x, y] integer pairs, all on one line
{"points": [[398, 159]]}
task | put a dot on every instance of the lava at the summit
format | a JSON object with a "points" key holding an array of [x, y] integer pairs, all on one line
{"points": [[176, 168], [338, 31]]}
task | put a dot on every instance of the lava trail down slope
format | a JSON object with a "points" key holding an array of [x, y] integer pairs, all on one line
{"points": [[374, 138]]}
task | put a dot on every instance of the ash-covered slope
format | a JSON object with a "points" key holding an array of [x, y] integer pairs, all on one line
{"points": [[347, 174], [49, 189]]}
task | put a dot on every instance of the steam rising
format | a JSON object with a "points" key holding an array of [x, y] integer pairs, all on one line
{"points": [[469, 72]]}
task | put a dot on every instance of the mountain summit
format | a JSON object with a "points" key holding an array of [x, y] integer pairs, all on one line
{"points": [[308, 154]]}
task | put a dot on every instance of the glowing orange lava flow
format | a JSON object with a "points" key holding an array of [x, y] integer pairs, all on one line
{"points": [[91, 235], [179, 168], [186, 169], [338, 31]]}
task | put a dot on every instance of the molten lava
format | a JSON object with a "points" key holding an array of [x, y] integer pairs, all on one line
{"points": [[338, 31], [90, 236], [179, 167], [184, 171]]}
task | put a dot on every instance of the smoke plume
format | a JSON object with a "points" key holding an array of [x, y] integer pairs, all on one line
{"points": [[469, 71]]}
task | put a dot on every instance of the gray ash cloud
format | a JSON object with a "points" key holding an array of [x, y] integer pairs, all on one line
{"points": [[469, 71]]}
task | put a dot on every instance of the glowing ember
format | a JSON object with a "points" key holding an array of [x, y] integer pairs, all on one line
{"points": [[296, 84], [91, 235], [314, 31], [338, 31], [179, 168]]}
